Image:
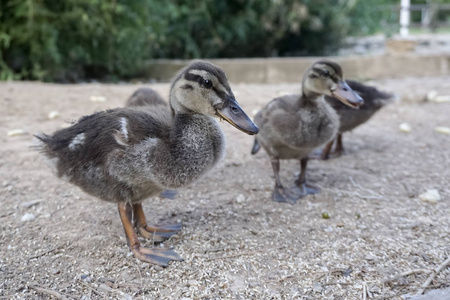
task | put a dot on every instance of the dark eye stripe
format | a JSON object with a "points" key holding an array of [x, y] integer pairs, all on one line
{"points": [[195, 78], [321, 72], [199, 79]]}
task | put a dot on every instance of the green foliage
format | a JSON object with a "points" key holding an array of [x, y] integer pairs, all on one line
{"points": [[72, 40]]}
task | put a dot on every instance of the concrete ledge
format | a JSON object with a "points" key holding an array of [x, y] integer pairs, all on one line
{"points": [[278, 70]]}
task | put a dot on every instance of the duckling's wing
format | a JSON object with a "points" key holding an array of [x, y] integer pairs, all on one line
{"points": [[92, 139]]}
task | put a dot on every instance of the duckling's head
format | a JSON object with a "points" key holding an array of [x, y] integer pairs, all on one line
{"points": [[325, 77], [203, 88]]}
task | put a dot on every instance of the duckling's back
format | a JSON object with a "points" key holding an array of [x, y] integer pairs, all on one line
{"points": [[145, 97], [350, 118]]}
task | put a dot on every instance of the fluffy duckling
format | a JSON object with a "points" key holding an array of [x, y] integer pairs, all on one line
{"points": [[292, 126], [148, 97], [145, 96], [126, 155], [374, 99]]}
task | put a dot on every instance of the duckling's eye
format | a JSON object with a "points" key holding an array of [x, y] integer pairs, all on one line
{"points": [[207, 84], [326, 73]]}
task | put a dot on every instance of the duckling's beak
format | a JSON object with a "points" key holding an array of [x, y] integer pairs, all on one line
{"points": [[233, 114], [346, 95]]}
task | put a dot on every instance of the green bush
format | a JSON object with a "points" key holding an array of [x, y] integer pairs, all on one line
{"points": [[74, 40]]}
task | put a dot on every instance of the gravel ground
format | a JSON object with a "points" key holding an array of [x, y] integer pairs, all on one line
{"points": [[57, 242]]}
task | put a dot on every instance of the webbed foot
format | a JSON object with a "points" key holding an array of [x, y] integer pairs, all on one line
{"points": [[280, 194], [159, 233], [303, 189], [156, 256]]}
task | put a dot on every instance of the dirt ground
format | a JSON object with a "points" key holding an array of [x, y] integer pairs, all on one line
{"points": [[57, 242]]}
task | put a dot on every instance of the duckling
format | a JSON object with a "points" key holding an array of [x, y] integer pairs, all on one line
{"points": [[374, 99], [145, 96], [292, 126], [126, 155], [148, 97]]}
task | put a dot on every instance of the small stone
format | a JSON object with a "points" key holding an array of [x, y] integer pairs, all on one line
{"points": [[105, 279], [86, 278], [53, 115], [54, 271], [27, 217], [192, 283], [430, 196], [431, 96], [317, 288], [240, 198], [442, 129], [405, 127], [370, 257], [104, 287], [98, 99], [16, 132]]}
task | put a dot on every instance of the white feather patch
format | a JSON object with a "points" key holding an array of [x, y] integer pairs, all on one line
{"points": [[123, 127], [77, 141]]}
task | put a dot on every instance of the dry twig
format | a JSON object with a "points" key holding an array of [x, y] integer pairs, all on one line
{"points": [[90, 287], [433, 275], [48, 251], [6, 215], [336, 283], [372, 195], [410, 272], [48, 292], [364, 290]]}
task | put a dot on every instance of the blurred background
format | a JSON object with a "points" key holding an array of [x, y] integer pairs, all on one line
{"points": [[111, 40]]}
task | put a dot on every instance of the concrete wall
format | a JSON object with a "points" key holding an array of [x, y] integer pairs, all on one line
{"points": [[277, 70]]}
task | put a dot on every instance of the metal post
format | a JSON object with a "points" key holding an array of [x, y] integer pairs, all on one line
{"points": [[404, 17]]}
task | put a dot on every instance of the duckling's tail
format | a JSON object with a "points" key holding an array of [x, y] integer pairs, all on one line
{"points": [[256, 147]]}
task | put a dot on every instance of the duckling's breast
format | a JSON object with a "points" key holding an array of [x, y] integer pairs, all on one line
{"points": [[194, 147], [293, 134], [318, 125]]}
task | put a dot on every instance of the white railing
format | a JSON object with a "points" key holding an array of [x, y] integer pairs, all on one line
{"points": [[428, 16]]}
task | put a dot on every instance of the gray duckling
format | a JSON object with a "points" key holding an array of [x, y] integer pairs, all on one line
{"points": [[292, 126], [146, 96], [126, 155], [350, 118]]}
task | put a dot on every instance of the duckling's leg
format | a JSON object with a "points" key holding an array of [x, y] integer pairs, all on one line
{"points": [[339, 147], [301, 188], [156, 256], [280, 194], [326, 150], [157, 233]]}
